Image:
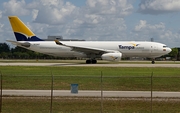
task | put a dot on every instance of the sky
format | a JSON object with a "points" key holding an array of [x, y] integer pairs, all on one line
{"points": [[96, 20]]}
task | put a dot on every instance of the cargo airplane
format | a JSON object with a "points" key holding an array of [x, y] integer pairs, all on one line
{"points": [[106, 50]]}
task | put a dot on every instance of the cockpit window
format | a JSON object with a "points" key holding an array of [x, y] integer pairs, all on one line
{"points": [[165, 46]]}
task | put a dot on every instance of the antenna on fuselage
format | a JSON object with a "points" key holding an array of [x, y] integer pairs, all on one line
{"points": [[152, 39]]}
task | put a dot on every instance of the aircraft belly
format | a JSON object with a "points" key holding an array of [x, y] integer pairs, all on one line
{"points": [[69, 54]]}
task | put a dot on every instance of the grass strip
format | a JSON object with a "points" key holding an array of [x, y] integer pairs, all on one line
{"points": [[88, 78], [88, 105]]}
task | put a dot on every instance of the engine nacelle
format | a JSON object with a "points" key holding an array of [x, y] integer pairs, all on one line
{"points": [[112, 56]]}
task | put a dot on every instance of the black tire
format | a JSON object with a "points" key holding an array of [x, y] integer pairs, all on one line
{"points": [[88, 61], [94, 61], [153, 62]]}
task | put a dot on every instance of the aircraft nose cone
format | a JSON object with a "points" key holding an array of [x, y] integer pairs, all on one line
{"points": [[169, 50]]}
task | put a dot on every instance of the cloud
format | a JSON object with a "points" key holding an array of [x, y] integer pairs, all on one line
{"points": [[111, 7], [0, 14], [102, 20], [1, 28], [156, 7], [59, 12], [88, 22], [144, 27], [14, 7], [145, 31], [54, 12]]}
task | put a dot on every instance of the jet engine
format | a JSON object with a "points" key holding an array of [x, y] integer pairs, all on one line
{"points": [[112, 56]]}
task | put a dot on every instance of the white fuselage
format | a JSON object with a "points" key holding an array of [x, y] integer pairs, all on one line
{"points": [[127, 48]]}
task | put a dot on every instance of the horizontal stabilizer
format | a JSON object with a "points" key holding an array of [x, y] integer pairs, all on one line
{"points": [[25, 44]]}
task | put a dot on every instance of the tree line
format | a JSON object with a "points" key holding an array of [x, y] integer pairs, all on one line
{"points": [[20, 53]]}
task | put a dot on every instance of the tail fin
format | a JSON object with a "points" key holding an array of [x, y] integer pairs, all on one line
{"points": [[21, 31]]}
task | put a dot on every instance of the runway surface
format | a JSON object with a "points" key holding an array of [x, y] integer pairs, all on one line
{"points": [[88, 93], [95, 65]]}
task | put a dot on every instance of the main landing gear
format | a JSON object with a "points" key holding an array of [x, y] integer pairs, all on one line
{"points": [[153, 61], [91, 61]]}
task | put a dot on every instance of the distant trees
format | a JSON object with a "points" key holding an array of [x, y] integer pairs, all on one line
{"points": [[174, 53], [4, 50]]}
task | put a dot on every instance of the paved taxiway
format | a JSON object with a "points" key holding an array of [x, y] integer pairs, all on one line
{"points": [[88, 93], [95, 65]]}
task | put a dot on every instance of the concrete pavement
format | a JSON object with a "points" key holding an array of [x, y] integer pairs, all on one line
{"points": [[90, 93]]}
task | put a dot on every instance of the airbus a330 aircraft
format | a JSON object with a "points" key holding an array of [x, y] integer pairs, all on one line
{"points": [[106, 50]]}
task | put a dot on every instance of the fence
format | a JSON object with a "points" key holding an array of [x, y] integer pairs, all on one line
{"points": [[77, 103]]}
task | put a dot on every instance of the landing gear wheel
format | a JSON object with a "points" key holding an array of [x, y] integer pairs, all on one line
{"points": [[153, 62], [91, 61], [94, 61], [88, 62]]}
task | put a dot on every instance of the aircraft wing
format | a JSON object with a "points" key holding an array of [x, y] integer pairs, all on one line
{"points": [[85, 50]]}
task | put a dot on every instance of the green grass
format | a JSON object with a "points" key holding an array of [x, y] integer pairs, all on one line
{"points": [[88, 71], [89, 78], [87, 105]]}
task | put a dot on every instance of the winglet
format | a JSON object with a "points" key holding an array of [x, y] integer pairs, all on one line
{"points": [[58, 42]]}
